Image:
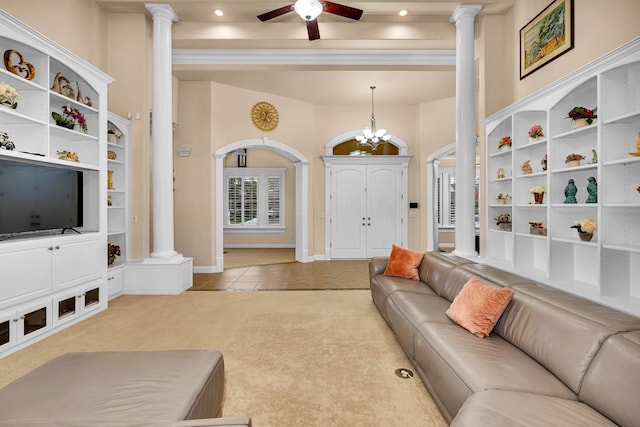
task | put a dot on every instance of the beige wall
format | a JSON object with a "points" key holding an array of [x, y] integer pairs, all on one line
{"points": [[212, 115], [130, 97], [77, 25], [599, 27]]}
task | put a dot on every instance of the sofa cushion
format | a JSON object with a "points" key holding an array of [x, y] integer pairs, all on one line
{"points": [[407, 309], [564, 342], [478, 306], [403, 262], [383, 286], [455, 364], [502, 408], [612, 383], [435, 268]]}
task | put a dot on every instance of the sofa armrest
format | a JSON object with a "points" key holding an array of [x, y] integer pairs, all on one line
{"points": [[215, 422], [377, 265]]}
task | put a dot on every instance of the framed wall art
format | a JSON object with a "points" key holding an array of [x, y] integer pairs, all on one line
{"points": [[546, 37]]}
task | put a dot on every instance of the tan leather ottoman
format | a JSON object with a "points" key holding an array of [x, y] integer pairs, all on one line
{"points": [[146, 388]]}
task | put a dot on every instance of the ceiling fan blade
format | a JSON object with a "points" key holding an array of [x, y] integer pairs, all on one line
{"points": [[342, 10], [275, 13], [313, 30]]}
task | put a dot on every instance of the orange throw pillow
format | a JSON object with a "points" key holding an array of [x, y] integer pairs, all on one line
{"points": [[478, 306], [404, 263]]}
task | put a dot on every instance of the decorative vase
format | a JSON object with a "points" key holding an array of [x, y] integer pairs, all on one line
{"points": [[585, 236], [66, 125], [112, 259], [505, 226], [110, 180], [502, 201], [10, 103], [538, 197], [573, 163], [533, 139], [537, 231], [580, 123], [112, 138]]}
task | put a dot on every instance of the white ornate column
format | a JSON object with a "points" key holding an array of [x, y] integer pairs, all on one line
{"points": [[165, 272], [464, 17], [162, 132]]}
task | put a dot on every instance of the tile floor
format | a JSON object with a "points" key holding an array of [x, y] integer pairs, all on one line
{"points": [[287, 276]]}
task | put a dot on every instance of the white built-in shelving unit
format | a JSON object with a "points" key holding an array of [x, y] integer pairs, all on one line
{"points": [[607, 268], [52, 279], [118, 200]]}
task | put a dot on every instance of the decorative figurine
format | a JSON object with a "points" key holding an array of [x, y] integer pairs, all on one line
{"points": [[592, 189], [526, 167], [594, 157], [5, 143], [543, 162], [570, 192], [500, 173]]}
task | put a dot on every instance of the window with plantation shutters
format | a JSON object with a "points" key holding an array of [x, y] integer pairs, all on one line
{"points": [[254, 199], [446, 198]]}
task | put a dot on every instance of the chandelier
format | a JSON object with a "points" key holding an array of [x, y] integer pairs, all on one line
{"points": [[372, 136]]}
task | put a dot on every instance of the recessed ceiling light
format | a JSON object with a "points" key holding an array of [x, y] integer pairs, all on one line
{"points": [[218, 12], [403, 12]]}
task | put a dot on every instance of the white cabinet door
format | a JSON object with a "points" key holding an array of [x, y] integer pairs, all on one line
{"points": [[366, 210], [77, 262], [115, 282], [348, 211], [25, 271]]}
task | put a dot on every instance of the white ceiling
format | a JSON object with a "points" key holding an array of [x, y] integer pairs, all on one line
{"points": [[426, 27]]}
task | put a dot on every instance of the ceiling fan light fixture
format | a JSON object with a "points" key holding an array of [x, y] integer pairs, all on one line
{"points": [[308, 9]]}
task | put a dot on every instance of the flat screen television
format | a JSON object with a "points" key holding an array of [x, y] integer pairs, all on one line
{"points": [[35, 197]]}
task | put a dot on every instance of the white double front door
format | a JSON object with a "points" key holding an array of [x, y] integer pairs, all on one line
{"points": [[368, 209]]}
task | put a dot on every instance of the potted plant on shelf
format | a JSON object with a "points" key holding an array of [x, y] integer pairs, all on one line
{"points": [[502, 198], [503, 221], [537, 228], [573, 159], [581, 116], [69, 118], [114, 251], [8, 96], [536, 132], [538, 194], [585, 228], [504, 142]]}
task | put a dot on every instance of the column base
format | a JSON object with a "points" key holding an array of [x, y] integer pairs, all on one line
{"points": [[159, 276]]}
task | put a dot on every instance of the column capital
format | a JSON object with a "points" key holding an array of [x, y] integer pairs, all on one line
{"points": [[465, 11], [162, 10]]}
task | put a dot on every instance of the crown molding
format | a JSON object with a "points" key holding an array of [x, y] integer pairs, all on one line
{"points": [[421, 57]]}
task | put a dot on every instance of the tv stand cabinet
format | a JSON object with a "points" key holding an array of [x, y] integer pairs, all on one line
{"points": [[51, 280]]}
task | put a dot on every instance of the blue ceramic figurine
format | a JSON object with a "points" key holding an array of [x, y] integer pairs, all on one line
{"points": [[570, 192], [592, 189]]}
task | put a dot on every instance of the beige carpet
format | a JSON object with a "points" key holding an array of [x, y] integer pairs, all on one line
{"points": [[316, 358]]}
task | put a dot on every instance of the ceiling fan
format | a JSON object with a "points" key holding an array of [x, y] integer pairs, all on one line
{"points": [[309, 10]]}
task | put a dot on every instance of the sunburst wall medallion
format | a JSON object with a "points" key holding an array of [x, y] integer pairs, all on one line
{"points": [[265, 116]]}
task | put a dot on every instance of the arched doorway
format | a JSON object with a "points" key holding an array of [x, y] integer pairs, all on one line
{"points": [[346, 200], [301, 165]]}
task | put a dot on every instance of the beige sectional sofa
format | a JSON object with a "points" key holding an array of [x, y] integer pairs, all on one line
{"points": [[174, 388], [553, 359]]}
